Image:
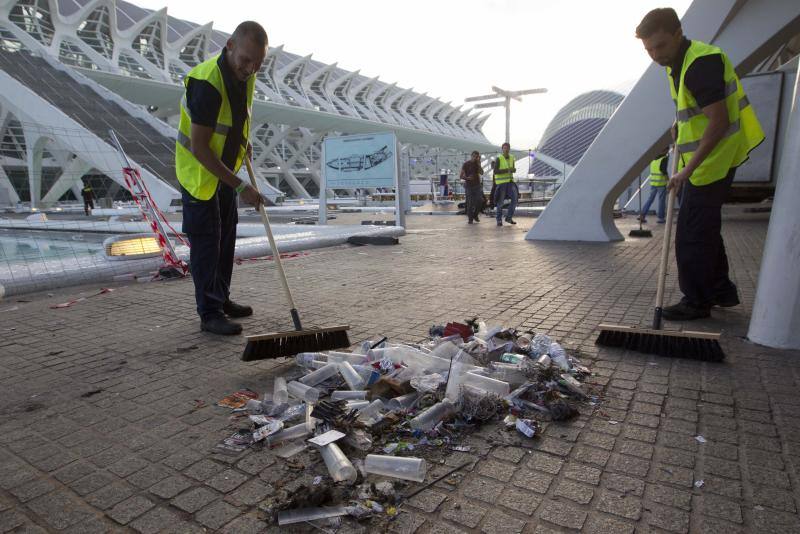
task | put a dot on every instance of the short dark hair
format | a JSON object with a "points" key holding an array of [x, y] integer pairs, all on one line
{"points": [[506, 144], [475, 153], [252, 30], [662, 18]]}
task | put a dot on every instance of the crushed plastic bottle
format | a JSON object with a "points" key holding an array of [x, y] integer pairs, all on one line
{"points": [[558, 356], [540, 344]]}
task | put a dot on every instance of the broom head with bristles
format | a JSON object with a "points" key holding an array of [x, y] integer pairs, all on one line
{"points": [[674, 344], [280, 344]]}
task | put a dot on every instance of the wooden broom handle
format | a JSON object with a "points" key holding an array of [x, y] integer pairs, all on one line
{"points": [[275, 253], [662, 270]]}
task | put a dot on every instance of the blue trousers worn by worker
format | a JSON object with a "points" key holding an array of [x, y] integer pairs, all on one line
{"points": [[659, 191], [210, 226], [503, 191]]}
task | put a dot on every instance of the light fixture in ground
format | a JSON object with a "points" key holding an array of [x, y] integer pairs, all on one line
{"points": [[132, 246]]}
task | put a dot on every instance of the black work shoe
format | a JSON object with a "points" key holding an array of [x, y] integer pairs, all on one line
{"points": [[509, 220], [684, 311], [726, 300], [477, 219], [232, 309], [221, 326], [469, 221]]}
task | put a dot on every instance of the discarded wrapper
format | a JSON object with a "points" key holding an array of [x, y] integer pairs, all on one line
{"points": [[328, 437], [527, 427]]}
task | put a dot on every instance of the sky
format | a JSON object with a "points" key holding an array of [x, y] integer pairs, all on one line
{"points": [[453, 49]]}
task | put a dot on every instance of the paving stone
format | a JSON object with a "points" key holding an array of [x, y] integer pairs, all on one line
{"points": [[194, 499], [11, 519], [250, 493], [157, 520], [171, 486], [669, 496], [255, 463], [128, 466], [583, 473], [108, 496], [774, 498], [773, 521], [553, 446], [629, 465], [58, 510], [203, 470], [148, 476], [545, 462], [497, 470], [721, 486], [129, 509], [217, 515], [591, 455], [245, 525], [407, 522], [509, 454], [74, 471], [623, 484], [716, 506], [182, 459], [619, 504], [601, 524], [668, 519], [463, 512], [574, 491], [563, 515], [713, 525], [499, 523], [520, 500], [92, 482], [674, 475], [441, 528], [427, 501], [34, 488], [638, 449], [763, 476], [532, 480], [227, 481], [483, 489]]}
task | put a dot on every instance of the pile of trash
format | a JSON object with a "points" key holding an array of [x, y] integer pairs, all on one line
{"points": [[373, 414]]}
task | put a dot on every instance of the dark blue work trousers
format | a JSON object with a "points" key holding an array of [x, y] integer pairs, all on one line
{"points": [[210, 226]]}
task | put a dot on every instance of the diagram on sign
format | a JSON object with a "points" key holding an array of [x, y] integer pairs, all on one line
{"points": [[360, 162]]}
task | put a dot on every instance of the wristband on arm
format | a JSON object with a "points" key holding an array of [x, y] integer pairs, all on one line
{"points": [[239, 188]]}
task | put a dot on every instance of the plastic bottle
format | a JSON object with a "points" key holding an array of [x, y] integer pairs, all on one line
{"points": [[558, 356], [302, 392], [353, 379], [371, 411], [396, 467], [351, 357], [540, 344], [287, 434], [403, 402], [457, 369], [280, 394], [343, 394]]}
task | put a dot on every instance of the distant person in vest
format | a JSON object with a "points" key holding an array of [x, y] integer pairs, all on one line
{"points": [[88, 199], [716, 130], [506, 188], [658, 188], [471, 173], [212, 144]]}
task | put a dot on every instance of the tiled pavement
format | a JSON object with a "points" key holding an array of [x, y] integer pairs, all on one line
{"points": [[107, 416]]}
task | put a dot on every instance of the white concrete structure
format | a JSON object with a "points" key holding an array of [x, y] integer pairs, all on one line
{"points": [[775, 321], [142, 55], [750, 32]]}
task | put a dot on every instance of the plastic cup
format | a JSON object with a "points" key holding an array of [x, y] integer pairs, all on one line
{"points": [[339, 467], [371, 411], [304, 359], [403, 402], [280, 394], [357, 404], [396, 467], [431, 417], [288, 434], [302, 391], [498, 387], [352, 357], [353, 379], [303, 515], [348, 395], [320, 375]]}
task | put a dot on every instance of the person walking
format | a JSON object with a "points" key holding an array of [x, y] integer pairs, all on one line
{"points": [[658, 188], [506, 188], [88, 199], [716, 130], [472, 174], [212, 143]]}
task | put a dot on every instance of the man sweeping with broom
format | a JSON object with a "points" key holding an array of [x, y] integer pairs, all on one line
{"points": [[717, 129], [212, 144]]}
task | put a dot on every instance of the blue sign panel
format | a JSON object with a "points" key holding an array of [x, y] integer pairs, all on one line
{"points": [[367, 160]]}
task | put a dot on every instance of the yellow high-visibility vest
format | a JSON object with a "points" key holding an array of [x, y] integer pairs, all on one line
{"points": [[193, 176], [744, 132], [657, 178], [501, 177]]}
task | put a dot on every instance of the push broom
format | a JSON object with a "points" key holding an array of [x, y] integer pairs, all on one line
{"points": [[279, 344], [676, 344]]}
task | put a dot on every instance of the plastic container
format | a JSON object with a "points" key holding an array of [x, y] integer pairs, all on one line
{"points": [[396, 467], [403, 402], [348, 395], [497, 387], [288, 434], [317, 364], [280, 394], [544, 361], [432, 416], [339, 466], [507, 373], [302, 392], [351, 376], [457, 370], [540, 344], [352, 357], [446, 350], [320, 375], [413, 358], [371, 411], [524, 341]]}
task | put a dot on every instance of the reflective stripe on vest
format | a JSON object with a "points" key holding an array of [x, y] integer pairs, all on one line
{"points": [[503, 163], [744, 131], [193, 176], [657, 178]]}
